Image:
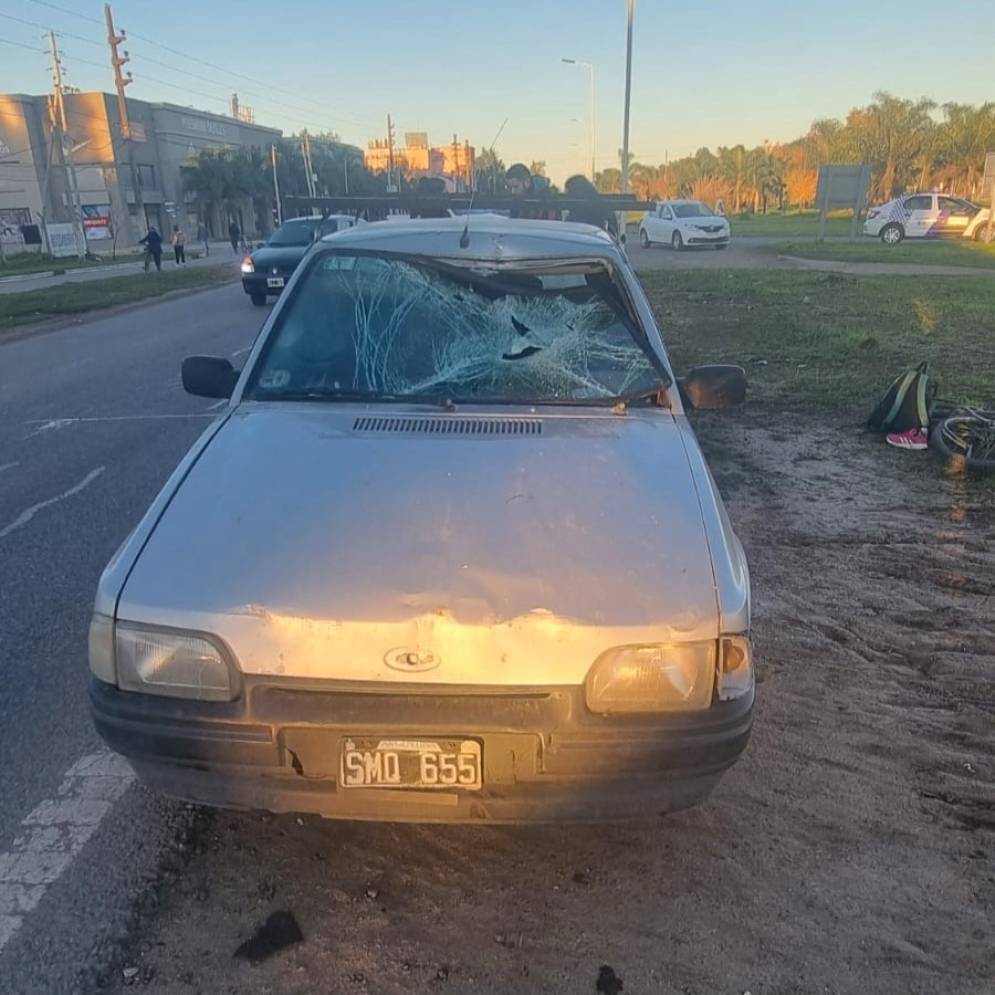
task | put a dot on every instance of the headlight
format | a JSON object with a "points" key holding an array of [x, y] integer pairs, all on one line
{"points": [[102, 648], [174, 663], [735, 667], [663, 677], [248, 266]]}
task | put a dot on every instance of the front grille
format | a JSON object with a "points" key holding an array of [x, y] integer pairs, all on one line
{"points": [[448, 425]]}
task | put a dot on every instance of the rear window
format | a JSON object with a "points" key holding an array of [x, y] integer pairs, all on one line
{"points": [[294, 233], [392, 328]]}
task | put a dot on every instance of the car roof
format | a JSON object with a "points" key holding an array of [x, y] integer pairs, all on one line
{"points": [[491, 238]]}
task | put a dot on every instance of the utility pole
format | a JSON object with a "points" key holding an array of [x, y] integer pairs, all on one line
{"points": [[631, 4], [66, 148], [120, 82], [306, 154], [390, 153], [276, 186]]}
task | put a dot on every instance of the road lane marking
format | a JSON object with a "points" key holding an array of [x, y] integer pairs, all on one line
{"points": [[8, 466], [54, 833], [217, 404], [241, 352], [46, 426], [25, 516]]}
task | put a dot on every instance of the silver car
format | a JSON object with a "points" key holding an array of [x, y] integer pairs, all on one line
{"points": [[451, 552]]}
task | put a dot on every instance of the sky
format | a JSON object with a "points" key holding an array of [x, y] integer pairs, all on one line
{"points": [[705, 72]]}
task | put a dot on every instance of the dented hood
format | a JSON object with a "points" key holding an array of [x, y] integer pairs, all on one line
{"points": [[319, 548]]}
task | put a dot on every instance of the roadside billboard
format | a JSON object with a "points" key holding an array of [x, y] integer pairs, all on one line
{"points": [[97, 221], [62, 239]]}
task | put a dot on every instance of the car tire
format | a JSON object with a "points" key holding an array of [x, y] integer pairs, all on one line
{"points": [[258, 299], [644, 239], [892, 234], [676, 242]]}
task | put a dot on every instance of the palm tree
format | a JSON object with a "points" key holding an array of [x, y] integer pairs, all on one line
{"points": [[966, 134]]}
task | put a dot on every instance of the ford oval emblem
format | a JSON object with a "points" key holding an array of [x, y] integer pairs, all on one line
{"points": [[411, 661]]}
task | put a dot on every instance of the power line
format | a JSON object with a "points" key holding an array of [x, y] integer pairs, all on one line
{"points": [[45, 27], [65, 10], [298, 109], [20, 44]]}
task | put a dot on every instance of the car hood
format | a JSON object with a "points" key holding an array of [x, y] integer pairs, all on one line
{"points": [[316, 549], [702, 222], [280, 256]]}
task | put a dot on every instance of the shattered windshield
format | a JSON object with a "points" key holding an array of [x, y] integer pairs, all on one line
{"points": [[399, 328]]}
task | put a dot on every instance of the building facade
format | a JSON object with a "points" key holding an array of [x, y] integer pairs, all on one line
{"points": [[454, 163], [37, 181]]}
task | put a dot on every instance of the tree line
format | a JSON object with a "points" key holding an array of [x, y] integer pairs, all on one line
{"points": [[223, 179], [909, 145]]}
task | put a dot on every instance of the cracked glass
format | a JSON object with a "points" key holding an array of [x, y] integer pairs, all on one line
{"points": [[392, 328]]}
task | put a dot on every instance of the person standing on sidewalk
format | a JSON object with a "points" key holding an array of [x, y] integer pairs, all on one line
{"points": [[153, 248], [234, 235], [203, 236], [179, 245]]}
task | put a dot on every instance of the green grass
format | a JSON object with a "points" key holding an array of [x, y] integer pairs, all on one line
{"points": [[959, 252], [75, 298], [794, 224], [33, 262], [829, 341]]}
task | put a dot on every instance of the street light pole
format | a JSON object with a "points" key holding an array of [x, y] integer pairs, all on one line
{"points": [[628, 89], [593, 120]]}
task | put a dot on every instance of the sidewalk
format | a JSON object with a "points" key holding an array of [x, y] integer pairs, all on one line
{"points": [[220, 252]]}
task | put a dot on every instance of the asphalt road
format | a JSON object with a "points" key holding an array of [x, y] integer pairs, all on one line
{"points": [[92, 421]]}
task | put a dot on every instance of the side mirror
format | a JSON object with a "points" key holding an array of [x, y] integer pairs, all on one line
{"points": [[709, 388], [208, 376]]}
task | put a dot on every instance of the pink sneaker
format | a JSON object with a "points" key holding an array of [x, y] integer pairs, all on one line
{"points": [[913, 438]]}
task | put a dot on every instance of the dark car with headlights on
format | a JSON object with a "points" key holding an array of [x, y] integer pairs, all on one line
{"points": [[450, 553], [265, 271]]}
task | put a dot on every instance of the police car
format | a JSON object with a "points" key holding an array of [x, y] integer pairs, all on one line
{"points": [[926, 215]]}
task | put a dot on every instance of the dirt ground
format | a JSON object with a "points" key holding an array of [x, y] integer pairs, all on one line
{"points": [[849, 852]]}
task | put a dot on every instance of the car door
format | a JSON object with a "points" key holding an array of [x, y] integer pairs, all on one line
{"points": [[922, 215], [954, 216], [665, 229]]}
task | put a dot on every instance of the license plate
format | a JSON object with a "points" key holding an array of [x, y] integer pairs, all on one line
{"points": [[410, 763], [274, 281]]}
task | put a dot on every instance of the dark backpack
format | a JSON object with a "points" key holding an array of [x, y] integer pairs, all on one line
{"points": [[906, 404]]}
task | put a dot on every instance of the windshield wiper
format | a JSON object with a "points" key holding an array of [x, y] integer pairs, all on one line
{"points": [[331, 394], [657, 395]]}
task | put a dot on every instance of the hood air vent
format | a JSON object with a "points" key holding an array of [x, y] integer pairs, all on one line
{"points": [[449, 426]]}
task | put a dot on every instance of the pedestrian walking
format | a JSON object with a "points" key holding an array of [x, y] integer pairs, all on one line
{"points": [[202, 236], [179, 245], [234, 235], [153, 248]]}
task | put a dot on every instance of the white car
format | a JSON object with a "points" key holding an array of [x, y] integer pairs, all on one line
{"points": [[678, 223], [926, 215]]}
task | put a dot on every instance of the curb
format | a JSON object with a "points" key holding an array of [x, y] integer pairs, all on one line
{"points": [[27, 276], [852, 267]]}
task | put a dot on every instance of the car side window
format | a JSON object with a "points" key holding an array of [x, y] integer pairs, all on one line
{"points": [[919, 203], [952, 205], [666, 213]]}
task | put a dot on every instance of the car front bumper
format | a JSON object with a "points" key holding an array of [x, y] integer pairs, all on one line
{"points": [[546, 758], [257, 283], [706, 238]]}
